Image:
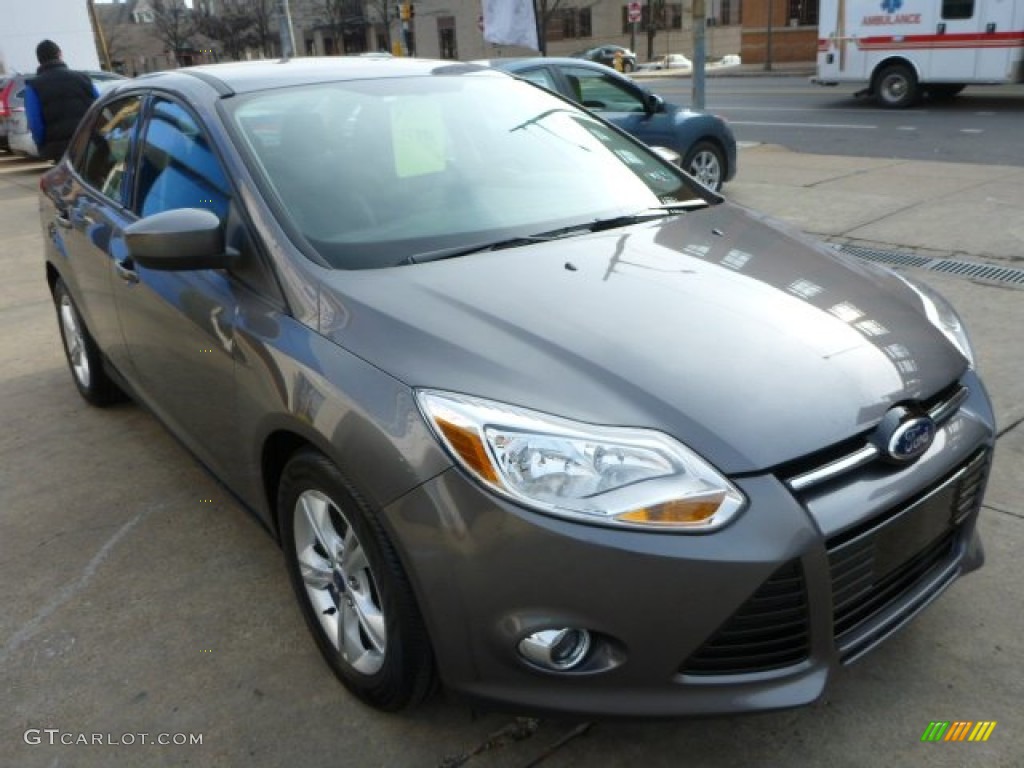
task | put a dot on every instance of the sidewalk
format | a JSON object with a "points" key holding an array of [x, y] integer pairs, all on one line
{"points": [[931, 208]]}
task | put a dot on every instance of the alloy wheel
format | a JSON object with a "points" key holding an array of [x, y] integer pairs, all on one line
{"points": [[339, 582]]}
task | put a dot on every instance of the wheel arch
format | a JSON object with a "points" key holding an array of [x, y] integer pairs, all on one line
{"points": [[278, 448], [891, 61], [52, 276]]}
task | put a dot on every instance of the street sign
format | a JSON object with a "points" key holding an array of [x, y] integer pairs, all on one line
{"points": [[634, 12]]}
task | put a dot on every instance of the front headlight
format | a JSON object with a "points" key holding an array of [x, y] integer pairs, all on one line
{"points": [[613, 475], [941, 314]]}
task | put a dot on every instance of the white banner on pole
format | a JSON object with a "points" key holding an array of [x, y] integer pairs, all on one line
{"points": [[510, 22]]}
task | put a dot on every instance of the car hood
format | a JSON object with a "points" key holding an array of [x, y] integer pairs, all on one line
{"points": [[752, 346]]}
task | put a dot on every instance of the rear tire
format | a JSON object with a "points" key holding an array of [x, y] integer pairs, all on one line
{"points": [[85, 361], [351, 587], [896, 87]]}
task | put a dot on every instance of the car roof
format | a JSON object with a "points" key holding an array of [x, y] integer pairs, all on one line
{"points": [[248, 76], [513, 64]]}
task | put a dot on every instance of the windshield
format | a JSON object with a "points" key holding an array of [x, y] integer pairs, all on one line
{"points": [[374, 172]]}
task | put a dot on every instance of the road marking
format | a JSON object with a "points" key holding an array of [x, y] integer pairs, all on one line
{"points": [[724, 107], [971, 130], [906, 127], [805, 125]]}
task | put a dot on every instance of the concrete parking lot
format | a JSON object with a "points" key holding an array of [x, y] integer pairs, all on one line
{"points": [[139, 598]]}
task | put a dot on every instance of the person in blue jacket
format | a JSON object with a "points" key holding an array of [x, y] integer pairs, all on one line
{"points": [[55, 101]]}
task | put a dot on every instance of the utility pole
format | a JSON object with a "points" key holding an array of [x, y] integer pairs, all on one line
{"points": [[284, 24], [699, 53], [768, 40]]}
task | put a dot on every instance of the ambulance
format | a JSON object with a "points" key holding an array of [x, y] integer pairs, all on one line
{"points": [[903, 50]]}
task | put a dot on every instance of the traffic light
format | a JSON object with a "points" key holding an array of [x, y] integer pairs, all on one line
{"points": [[406, 11]]}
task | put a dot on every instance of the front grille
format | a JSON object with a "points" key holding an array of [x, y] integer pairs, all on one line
{"points": [[841, 458], [874, 589], [769, 631]]}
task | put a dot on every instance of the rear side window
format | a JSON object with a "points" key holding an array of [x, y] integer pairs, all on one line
{"points": [[102, 162], [178, 168]]}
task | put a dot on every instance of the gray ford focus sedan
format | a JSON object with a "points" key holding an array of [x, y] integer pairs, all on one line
{"points": [[532, 414]]}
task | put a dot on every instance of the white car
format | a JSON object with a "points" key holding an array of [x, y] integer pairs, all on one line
{"points": [[19, 137], [669, 61]]}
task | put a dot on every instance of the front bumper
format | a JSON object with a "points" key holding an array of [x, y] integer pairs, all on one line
{"points": [[754, 617]]}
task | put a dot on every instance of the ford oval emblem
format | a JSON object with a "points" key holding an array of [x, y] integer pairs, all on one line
{"points": [[910, 439]]}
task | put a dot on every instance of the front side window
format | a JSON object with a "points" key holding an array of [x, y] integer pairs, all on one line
{"points": [[102, 162], [603, 93], [178, 168], [372, 172], [540, 76]]}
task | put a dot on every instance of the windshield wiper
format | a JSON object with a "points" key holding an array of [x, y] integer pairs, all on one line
{"points": [[465, 250], [614, 222], [594, 225]]}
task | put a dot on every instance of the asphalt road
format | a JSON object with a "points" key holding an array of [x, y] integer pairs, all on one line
{"points": [[982, 125]]}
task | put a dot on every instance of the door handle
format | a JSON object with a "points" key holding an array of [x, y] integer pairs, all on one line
{"points": [[126, 271], [62, 220]]}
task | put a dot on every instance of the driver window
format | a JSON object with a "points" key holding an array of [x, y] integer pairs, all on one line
{"points": [[178, 168], [603, 92]]}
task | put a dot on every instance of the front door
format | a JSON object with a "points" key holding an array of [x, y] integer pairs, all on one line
{"points": [[180, 326]]}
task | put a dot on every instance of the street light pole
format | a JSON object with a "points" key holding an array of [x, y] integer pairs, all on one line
{"points": [[699, 53], [768, 40]]}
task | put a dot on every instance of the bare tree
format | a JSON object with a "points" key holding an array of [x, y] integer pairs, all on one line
{"points": [[174, 25], [380, 12], [229, 22], [346, 19], [264, 27]]}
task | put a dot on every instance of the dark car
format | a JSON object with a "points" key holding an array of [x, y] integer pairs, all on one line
{"points": [[529, 410], [704, 141], [606, 54]]}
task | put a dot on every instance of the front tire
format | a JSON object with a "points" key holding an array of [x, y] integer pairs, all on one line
{"points": [[896, 87], [706, 163], [85, 361], [351, 587]]}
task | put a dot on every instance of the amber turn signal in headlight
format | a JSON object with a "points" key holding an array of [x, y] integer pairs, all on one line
{"points": [[613, 475]]}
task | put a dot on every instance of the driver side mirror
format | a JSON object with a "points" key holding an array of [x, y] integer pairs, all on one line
{"points": [[180, 239], [653, 103]]}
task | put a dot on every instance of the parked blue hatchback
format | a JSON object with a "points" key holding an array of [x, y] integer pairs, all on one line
{"points": [[704, 141]]}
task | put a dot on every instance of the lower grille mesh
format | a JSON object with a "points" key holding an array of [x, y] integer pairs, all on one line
{"points": [[864, 593], [769, 631]]}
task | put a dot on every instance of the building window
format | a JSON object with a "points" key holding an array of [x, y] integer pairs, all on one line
{"points": [[805, 12], [569, 24], [665, 15], [446, 37]]}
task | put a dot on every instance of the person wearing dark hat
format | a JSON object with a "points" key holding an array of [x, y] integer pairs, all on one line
{"points": [[55, 101]]}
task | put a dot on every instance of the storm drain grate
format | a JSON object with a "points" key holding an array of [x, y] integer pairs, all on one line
{"points": [[972, 269]]}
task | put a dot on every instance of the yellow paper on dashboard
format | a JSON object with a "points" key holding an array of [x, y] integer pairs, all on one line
{"points": [[418, 137]]}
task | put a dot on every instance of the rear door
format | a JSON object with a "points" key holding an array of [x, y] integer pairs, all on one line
{"points": [[955, 55], [90, 214]]}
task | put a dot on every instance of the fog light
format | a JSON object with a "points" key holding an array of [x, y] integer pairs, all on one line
{"points": [[556, 649]]}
